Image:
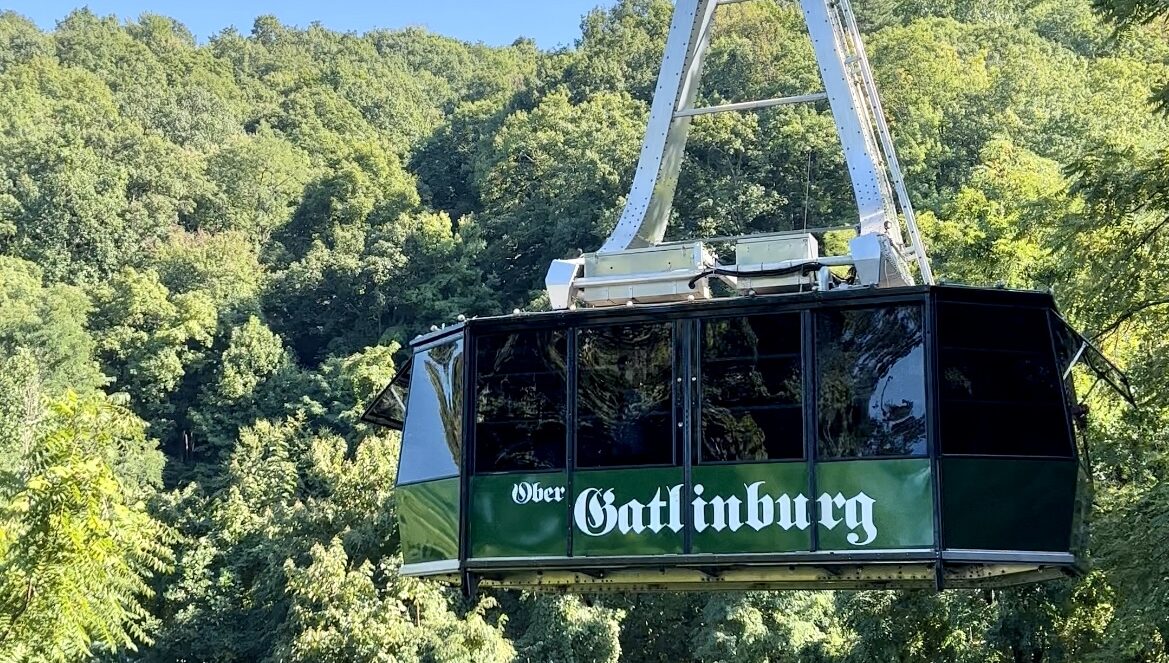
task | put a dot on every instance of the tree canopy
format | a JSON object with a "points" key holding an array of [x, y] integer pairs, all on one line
{"points": [[212, 255]]}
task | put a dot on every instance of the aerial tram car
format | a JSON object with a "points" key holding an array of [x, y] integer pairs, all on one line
{"points": [[681, 423]]}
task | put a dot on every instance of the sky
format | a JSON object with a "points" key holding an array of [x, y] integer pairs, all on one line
{"points": [[496, 22]]}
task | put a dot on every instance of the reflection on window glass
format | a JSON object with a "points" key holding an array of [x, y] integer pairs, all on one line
{"points": [[522, 400], [389, 408], [1000, 384], [752, 388], [432, 440], [624, 407], [871, 386]]}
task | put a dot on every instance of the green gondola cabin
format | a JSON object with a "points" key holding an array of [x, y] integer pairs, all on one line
{"points": [[902, 437]]}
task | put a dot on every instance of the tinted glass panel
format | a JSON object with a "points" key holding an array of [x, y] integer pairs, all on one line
{"points": [[389, 408], [522, 392], [1003, 328], [624, 406], [871, 382], [432, 439], [752, 388], [1000, 386]]}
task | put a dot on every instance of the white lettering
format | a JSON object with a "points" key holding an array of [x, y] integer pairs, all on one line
{"points": [[801, 509], [726, 513], [629, 517], [521, 493], [524, 492], [676, 508], [827, 518], [655, 512], [859, 513], [699, 509], [792, 513], [596, 512], [760, 510]]}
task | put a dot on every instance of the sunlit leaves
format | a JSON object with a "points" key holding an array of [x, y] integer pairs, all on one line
{"points": [[77, 545]]}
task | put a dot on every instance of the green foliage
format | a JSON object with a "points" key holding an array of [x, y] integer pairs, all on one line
{"points": [[77, 543], [48, 322], [235, 240], [771, 626], [222, 266], [147, 338], [254, 377], [1000, 225], [340, 613], [257, 182], [552, 180], [567, 628], [1132, 12]]}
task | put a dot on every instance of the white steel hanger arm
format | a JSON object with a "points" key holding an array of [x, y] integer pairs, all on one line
{"points": [[848, 87], [647, 209], [634, 266]]}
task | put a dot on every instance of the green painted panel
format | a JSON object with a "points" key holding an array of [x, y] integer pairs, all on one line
{"points": [[1008, 503], [874, 504], [428, 520], [757, 507], [519, 515], [627, 512], [866, 504]]}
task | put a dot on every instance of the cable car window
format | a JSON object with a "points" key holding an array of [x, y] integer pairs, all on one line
{"points": [[870, 382], [624, 396], [432, 439], [1000, 387], [522, 390], [389, 408], [752, 390], [1071, 349]]}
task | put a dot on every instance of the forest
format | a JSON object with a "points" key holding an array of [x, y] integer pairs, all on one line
{"points": [[212, 254]]}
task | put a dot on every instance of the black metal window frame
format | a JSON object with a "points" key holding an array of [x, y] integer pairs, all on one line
{"points": [[677, 399], [372, 416], [473, 401], [812, 426], [698, 402], [686, 374]]}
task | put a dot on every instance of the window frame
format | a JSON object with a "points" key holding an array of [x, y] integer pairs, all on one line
{"points": [[402, 375], [925, 307], [699, 400], [677, 398], [1051, 351], [569, 414], [460, 462]]}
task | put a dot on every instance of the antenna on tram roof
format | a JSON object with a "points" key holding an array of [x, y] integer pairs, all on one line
{"points": [[634, 265]]}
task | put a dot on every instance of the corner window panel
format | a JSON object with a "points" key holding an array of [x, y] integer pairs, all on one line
{"points": [[870, 388], [389, 408], [624, 396], [522, 401], [752, 389], [999, 383], [432, 439]]}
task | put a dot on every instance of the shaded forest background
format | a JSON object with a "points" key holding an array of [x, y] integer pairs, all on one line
{"points": [[210, 255]]}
